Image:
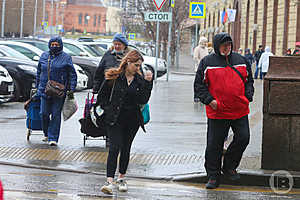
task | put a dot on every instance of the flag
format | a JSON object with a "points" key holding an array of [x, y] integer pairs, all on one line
{"points": [[224, 17], [231, 14]]}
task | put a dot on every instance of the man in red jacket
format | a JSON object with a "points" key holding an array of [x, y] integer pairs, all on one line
{"points": [[224, 83]]}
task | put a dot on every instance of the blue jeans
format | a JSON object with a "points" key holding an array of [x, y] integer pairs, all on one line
{"points": [[256, 72], [51, 127]]}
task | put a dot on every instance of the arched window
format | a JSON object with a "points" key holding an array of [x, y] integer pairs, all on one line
{"points": [[286, 26], [80, 18], [255, 22], [99, 20], [86, 19], [247, 24], [265, 21], [95, 20], [274, 31]]}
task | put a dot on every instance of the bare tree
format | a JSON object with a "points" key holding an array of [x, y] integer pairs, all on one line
{"points": [[135, 21]]}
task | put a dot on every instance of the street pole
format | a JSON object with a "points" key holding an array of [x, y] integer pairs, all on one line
{"points": [[169, 45], [44, 10], [22, 16], [52, 18], [157, 45], [3, 18], [35, 15], [177, 48], [196, 35]]}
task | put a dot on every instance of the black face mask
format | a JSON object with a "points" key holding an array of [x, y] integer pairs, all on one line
{"points": [[55, 50]]}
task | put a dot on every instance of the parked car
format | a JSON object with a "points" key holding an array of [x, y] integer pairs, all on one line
{"points": [[23, 74], [9, 52], [89, 66], [33, 51], [82, 78], [6, 85], [26, 49]]}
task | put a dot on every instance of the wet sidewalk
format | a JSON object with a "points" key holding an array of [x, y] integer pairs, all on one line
{"points": [[173, 145]]}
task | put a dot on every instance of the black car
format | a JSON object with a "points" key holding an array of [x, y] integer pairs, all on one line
{"points": [[23, 74], [89, 66]]}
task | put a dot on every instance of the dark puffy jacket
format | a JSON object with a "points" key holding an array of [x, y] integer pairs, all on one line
{"points": [[216, 80], [110, 59], [61, 70], [116, 90]]}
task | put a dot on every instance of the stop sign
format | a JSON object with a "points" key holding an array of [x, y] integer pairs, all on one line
{"points": [[159, 3]]}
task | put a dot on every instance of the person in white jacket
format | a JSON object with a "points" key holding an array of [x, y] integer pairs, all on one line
{"points": [[200, 51], [264, 61]]}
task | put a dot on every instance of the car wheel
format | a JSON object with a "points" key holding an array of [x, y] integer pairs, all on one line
{"points": [[90, 80], [17, 91]]}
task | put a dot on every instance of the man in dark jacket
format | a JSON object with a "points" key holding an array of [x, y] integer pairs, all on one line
{"points": [[248, 56], [112, 58], [224, 84], [257, 56]]}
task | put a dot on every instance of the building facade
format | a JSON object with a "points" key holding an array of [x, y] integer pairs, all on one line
{"points": [[76, 16], [12, 20], [274, 23]]}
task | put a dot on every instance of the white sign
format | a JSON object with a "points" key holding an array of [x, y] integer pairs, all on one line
{"points": [[158, 16], [159, 3], [231, 14]]}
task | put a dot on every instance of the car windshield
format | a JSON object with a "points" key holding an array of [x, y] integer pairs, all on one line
{"points": [[23, 50], [91, 51], [13, 53], [75, 50], [99, 50]]}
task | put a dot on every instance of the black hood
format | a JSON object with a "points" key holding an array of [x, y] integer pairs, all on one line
{"points": [[219, 39]]}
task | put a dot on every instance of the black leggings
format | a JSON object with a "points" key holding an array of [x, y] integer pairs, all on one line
{"points": [[121, 136]]}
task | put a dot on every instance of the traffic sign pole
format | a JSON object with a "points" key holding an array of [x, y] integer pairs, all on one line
{"points": [[157, 44], [169, 46]]}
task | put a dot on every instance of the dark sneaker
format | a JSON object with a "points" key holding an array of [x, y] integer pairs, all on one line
{"points": [[231, 174], [212, 183]]}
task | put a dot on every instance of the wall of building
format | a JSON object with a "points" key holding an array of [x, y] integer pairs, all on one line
{"points": [[280, 30], [113, 23], [13, 16]]}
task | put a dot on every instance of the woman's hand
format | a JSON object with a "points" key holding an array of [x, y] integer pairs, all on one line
{"points": [[148, 75]]}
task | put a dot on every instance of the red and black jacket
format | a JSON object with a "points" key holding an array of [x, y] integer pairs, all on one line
{"points": [[216, 80]]}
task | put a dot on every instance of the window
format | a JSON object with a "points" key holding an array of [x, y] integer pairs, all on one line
{"points": [[77, 51], [95, 20], [80, 19], [99, 20], [86, 19], [27, 52]]}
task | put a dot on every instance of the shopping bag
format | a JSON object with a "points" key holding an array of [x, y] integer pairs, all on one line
{"points": [[146, 113], [69, 108]]}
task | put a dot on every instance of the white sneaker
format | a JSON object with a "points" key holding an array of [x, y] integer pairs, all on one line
{"points": [[53, 143], [107, 188], [45, 139], [122, 185]]}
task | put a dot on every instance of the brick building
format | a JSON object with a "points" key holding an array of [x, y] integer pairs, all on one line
{"points": [[274, 23], [77, 15]]}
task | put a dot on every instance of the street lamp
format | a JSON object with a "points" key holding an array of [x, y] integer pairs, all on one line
{"points": [[87, 17]]}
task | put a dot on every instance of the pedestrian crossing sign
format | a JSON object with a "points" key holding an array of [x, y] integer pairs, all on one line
{"points": [[131, 36], [197, 10]]}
